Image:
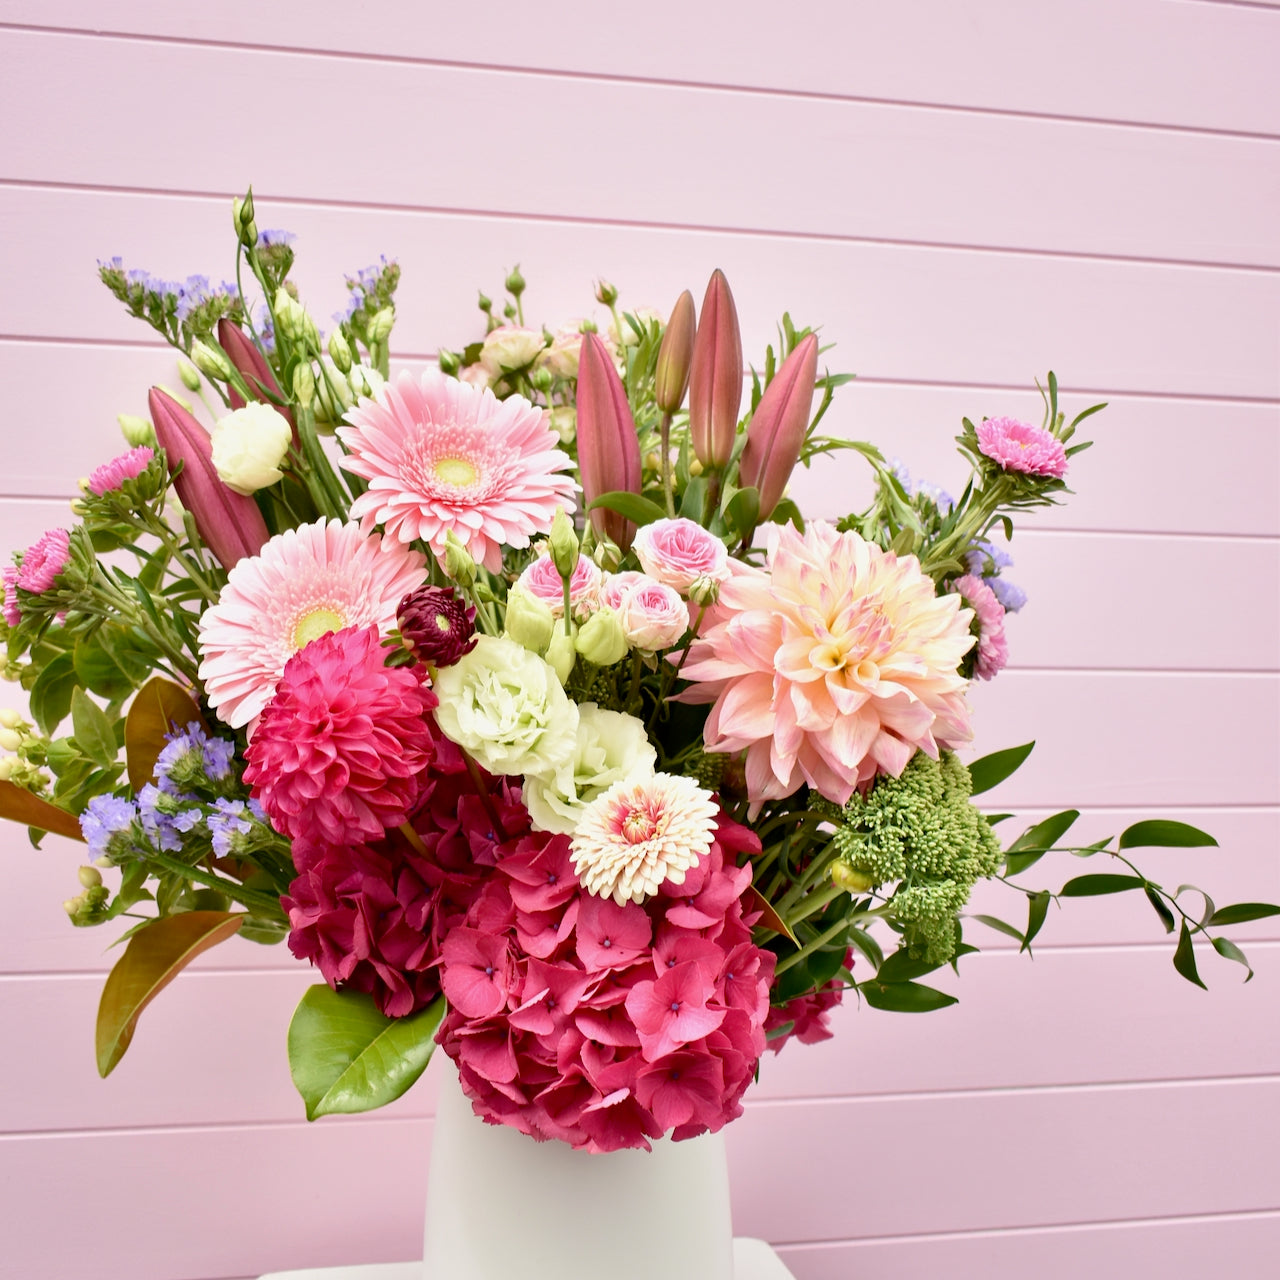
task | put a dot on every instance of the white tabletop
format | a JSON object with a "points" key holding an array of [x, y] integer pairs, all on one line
{"points": [[752, 1260]]}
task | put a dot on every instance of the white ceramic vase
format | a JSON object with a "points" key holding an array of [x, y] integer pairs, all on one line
{"points": [[503, 1207]]}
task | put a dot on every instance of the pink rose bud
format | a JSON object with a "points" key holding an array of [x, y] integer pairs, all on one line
{"points": [[776, 430], [653, 617], [675, 356], [230, 523], [608, 449], [715, 378], [252, 367], [542, 579], [678, 552]]}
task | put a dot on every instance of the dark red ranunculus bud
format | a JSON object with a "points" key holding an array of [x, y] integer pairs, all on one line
{"points": [[437, 624]]}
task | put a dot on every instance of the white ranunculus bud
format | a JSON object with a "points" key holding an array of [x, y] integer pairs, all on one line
{"points": [[248, 447]]}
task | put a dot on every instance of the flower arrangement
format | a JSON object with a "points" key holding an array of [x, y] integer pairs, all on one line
{"points": [[520, 699]]}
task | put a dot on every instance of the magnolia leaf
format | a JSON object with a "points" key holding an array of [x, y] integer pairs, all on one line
{"points": [[19, 805], [1243, 912], [346, 1056], [754, 900], [989, 770], [1164, 833], [160, 704], [638, 510], [154, 957]]}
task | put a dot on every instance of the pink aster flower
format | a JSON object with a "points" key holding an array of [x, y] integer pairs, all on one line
{"points": [[11, 614], [679, 552], [993, 648], [1018, 446], [542, 579], [43, 561], [303, 583], [441, 456], [834, 662], [636, 835], [128, 466], [338, 753]]}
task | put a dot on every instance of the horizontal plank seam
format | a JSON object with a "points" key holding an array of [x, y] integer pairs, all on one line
{"points": [[982, 1233], [265, 196], [657, 82], [906, 1096]]}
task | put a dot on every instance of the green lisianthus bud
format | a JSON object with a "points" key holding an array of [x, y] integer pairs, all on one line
{"points": [[485, 304], [340, 351], [450, 362], [190, 378], [458, 563], [242, 220], [530, 622], [304, 384], [380, 326], [607, 554], [136, 431], [291, 318], [333, 393], [562, 654], [704, 590], [563, 544], [211, 361], [602, 639]]}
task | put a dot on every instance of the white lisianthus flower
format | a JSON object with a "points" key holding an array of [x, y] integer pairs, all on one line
{"points": [[611, 747], [365, 381], [506, 708], [510, 347], [249, 445]]}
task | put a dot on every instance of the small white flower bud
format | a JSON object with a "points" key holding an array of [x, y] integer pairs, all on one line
{"points": [[340, 351], [90, 877], [10, 740], [136, 431], [381, 324], [10, 717], [190, 378], [211, 361]]}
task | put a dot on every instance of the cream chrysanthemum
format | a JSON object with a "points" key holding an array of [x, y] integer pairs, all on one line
{"points": [[304, 583], [639, 834], [836, 661], [444, 457]]}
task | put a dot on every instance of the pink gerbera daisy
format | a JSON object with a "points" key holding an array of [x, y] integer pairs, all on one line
{"points": [[303, 583], [128, 466], [443, 457], [1018, 446]]}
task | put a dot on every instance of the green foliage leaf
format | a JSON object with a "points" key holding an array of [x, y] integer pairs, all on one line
{"points": [[638, 510], [1184, 958], [987, 771], [901, 967], [155, 956], [1044, 835], [904, 997], [93, 730], [1016, 863], [159, 704], [51, 693], [1091, 886], [742, 511], [865, 943], [98, 671], [346, 1057], [1229, 951], [1000, 927], [787, 512], [1161, 908], [19, 805], [1242, 912], [1164, 833], [1037, 912]]}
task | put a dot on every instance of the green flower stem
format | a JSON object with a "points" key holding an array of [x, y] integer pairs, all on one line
{"points": [[812, 905], [828, 935], [237, 892], [975, 522], [667, 488], [816, 871], [325, 487], [113, 605]]}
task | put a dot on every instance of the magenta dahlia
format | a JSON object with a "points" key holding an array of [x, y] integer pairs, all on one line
{"points": [[340, 750]]}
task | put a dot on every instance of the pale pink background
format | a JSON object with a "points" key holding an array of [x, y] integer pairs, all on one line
{"points": [[962, 194]]}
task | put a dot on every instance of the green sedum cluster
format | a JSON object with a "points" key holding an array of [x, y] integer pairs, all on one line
{"points": [[921, 831]]}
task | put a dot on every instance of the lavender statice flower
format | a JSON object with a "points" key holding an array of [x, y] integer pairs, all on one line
{"points": [[166, 818], [192, 292], [192, 758], [1011, 596], [231, 818], [936, 494], [106, 825], [274, 236], [986, 558]]}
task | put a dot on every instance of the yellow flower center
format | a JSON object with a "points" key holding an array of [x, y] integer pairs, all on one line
{"points": [[457, 472], [311, 626]]}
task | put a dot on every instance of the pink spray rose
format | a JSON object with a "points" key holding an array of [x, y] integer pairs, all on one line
{"points": [[653, 616], [542, 579], [679, 552]]}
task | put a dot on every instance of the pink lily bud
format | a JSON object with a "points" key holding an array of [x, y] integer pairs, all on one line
{"points": [[715, 380], [675, 355], [608, 448], [249, 361], [775, 433], [230, 523]]}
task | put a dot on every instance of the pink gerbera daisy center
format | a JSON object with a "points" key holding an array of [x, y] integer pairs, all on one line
{"points": [[315, 623]]}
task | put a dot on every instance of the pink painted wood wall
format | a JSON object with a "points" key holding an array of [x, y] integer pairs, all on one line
{"points": [[962, 195]]}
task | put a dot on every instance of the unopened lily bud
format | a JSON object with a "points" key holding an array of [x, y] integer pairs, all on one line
{"points": [[136, 431], [845, 877], [458, 563], [304, 384], [608, 447], [450, 362], [210, 361], [381, 325], [242, 220], [90, 877], [675, 355], [340, 351], [704, 591], [563, 544], [606, 294], [515, 282], [715, 376], [562, 655], [530, 621], [602, 638], [190, 378], [173, 395]]}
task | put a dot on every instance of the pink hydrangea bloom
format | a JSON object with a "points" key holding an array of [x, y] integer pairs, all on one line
{"points": [[339, 753], [993, 648], [441, 456], [542, 579], [43, 561], [806, 1017], [1018, 446], [678, 552], [834, 662], [128, 466]]}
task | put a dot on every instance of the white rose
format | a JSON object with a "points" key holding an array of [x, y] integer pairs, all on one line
{"points": [[249, 445], [506, 708], [611, 747]]}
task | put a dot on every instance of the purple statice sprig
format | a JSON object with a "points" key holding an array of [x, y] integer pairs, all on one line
{"points": [[988, 561], [194, 762], [183, 311]]}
